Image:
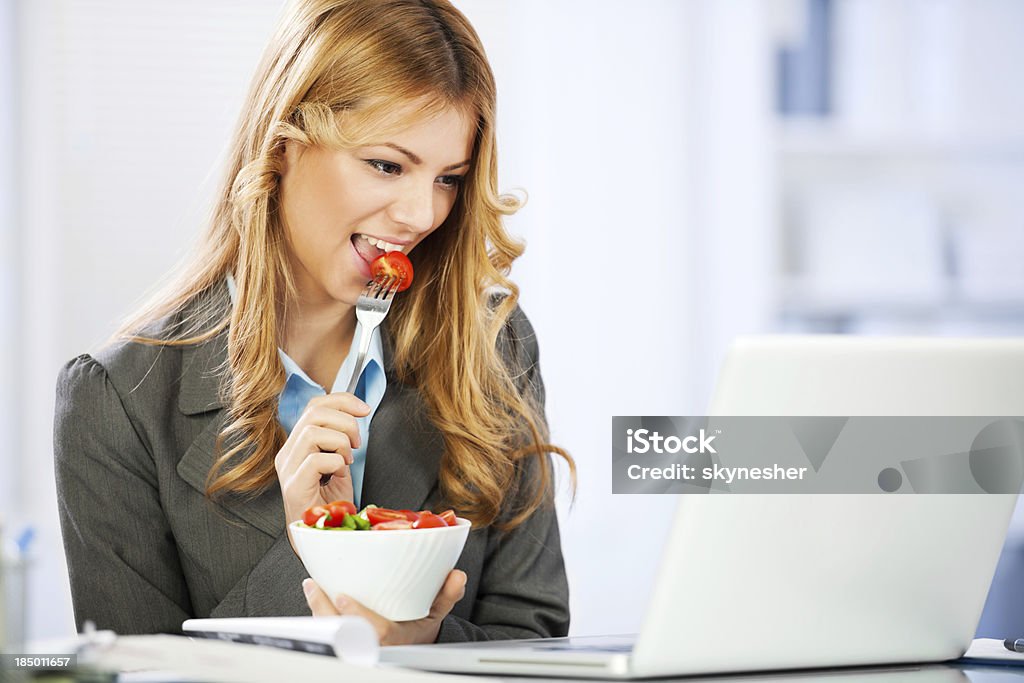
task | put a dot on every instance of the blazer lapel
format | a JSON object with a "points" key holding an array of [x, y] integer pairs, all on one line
{"points": [[200, 399], [265, 512], [403, 456]]}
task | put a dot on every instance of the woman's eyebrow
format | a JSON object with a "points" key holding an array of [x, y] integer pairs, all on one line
{"points": [[416, 160]]}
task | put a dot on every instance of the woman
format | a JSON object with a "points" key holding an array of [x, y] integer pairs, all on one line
{"points": [[185, 446]]}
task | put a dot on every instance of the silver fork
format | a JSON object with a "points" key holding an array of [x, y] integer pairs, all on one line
{"points": [[371, 309]]}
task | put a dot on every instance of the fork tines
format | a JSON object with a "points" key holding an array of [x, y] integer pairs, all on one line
{"points": [[382, 288]]}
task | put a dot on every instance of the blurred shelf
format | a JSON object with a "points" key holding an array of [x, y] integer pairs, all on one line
{"points": [[949, 307], [820, 140]]}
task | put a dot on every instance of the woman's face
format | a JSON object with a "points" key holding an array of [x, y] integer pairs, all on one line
{"points": [[341, 209]]}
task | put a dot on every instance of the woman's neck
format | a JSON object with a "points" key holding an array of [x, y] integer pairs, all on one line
{"points": [[318, 337]]}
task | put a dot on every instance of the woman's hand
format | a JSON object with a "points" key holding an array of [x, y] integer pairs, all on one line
{"points": [[320, 443], [392, 632]]}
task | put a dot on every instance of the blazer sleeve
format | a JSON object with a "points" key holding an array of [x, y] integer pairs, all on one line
{"points": [[523, 590], [122, 560]]}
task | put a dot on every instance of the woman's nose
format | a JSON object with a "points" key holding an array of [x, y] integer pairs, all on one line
{"points": [[414, 208]]}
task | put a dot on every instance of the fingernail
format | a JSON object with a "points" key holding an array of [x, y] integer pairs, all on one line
{"points": [[307, 586]]}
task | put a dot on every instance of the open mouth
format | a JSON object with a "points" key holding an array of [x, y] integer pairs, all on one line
{"points": [[370, 248]]}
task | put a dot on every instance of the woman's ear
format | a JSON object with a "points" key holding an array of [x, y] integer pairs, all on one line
{"points": [[290, 156]]}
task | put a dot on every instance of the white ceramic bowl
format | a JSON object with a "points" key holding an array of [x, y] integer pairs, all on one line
{"points": [[396, 573]]}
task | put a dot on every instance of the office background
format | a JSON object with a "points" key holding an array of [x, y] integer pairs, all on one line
{"points": [[846, 166]]}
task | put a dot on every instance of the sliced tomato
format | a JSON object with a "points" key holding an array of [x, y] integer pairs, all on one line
{"points": [[336, 512], [342, 508], [449, 517], [410, 515], [393, 264], [393, 524], [379, 515], [311, 515], [428, 520]]}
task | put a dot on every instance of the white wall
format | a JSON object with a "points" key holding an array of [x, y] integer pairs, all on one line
{"points": [[9, 240]]}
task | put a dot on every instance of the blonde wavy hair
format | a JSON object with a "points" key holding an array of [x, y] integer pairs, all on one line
{"points": [[334, 75]]}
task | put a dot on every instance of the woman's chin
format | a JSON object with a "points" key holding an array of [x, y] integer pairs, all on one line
{"points": [[347, 292], [340, 288]]}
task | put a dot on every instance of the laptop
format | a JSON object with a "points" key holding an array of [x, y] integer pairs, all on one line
{"points": [[752, 583]]}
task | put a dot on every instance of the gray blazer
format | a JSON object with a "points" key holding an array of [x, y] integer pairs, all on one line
{"points": [[134, 440]]}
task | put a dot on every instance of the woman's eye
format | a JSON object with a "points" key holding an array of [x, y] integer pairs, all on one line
{"points": [[384, 167], [450, 182]]}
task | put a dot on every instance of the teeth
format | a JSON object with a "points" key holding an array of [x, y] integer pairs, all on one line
{"points": [[381, 244]]}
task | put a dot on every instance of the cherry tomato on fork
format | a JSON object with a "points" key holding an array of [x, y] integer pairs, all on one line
{"points": [[393, 264]]}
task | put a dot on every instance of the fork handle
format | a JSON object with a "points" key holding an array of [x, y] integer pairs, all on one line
{"points": [[364, 347]]}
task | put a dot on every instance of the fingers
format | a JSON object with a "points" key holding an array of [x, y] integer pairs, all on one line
{"points": [[327, 424], [319, 604], [312, 440], [451, 592], [407, 632], [338, 488], [317, 464], [320, 444], [352, 608], [301, 488], [343, 401], [316, 415]]}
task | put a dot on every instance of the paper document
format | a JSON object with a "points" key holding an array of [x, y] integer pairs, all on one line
{"points": [[350, 638], [224, 662]]}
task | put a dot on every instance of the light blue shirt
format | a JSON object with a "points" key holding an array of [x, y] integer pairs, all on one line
{"points": [[299, 389]]}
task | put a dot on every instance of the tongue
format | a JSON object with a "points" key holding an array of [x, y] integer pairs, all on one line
{"points": [[365, 249]]}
